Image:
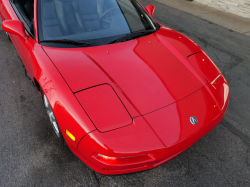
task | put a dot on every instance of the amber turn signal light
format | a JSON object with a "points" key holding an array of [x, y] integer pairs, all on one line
{"points": [[70, 135]]}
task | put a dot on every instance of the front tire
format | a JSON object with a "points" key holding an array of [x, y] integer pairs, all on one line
{"points": [[8, 36], [52, 117]]}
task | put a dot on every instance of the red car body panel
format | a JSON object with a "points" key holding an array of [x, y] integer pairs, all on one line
{"points": [[144, 141], [65, 106], [149, 76], [145, 91], [104, 107], [210, 70]]}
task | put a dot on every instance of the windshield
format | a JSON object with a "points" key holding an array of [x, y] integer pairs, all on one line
{"points": [[94, 21]]}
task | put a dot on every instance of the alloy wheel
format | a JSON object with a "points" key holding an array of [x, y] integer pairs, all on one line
{"points": [[51, 116]]}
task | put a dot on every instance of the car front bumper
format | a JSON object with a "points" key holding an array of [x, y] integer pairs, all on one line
{"points": [[156, 155]]}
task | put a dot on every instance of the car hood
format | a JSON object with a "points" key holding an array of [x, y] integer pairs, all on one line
{"points": [[149, 73]]}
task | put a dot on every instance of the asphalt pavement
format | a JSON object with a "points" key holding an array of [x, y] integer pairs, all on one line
{"points": [[31, 155]]}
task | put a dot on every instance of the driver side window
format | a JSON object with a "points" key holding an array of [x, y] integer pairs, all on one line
{"points": [[26, 13]]}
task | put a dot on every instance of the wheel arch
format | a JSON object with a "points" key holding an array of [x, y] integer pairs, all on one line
{"points": [[38, 87]]}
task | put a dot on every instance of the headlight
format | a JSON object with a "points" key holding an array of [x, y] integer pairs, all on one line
{"points": [[104, 107], [206, 66]]}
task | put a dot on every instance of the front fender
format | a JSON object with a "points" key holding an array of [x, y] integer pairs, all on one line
{"points": [[68, 111]]}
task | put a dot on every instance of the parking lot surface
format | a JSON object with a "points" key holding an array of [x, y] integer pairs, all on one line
{"points": [[30, 154]]}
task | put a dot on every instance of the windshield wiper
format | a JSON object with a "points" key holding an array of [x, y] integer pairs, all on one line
{"points": [[73, 42], [132, 36]]}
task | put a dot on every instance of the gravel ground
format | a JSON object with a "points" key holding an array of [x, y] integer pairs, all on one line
{"points": [[30, 154]]}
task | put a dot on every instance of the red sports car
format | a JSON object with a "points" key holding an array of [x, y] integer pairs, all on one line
{"points": [[125, 93]]}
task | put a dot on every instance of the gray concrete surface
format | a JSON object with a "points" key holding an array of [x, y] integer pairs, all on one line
{"points": [[237, 7], [228, 20], [30, 154]]}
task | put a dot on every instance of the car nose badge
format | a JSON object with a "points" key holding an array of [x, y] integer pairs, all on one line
{"points": [[193, 120]]}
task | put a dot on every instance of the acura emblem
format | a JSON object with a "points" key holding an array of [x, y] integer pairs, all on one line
{"points": [[193, 120]]}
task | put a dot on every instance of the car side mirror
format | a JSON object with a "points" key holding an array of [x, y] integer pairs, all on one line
{"points": [[15, 27], [150, 10]]}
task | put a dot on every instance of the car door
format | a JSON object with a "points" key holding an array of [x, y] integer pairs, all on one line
{"points": [[2, 9], [23, 47]]}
